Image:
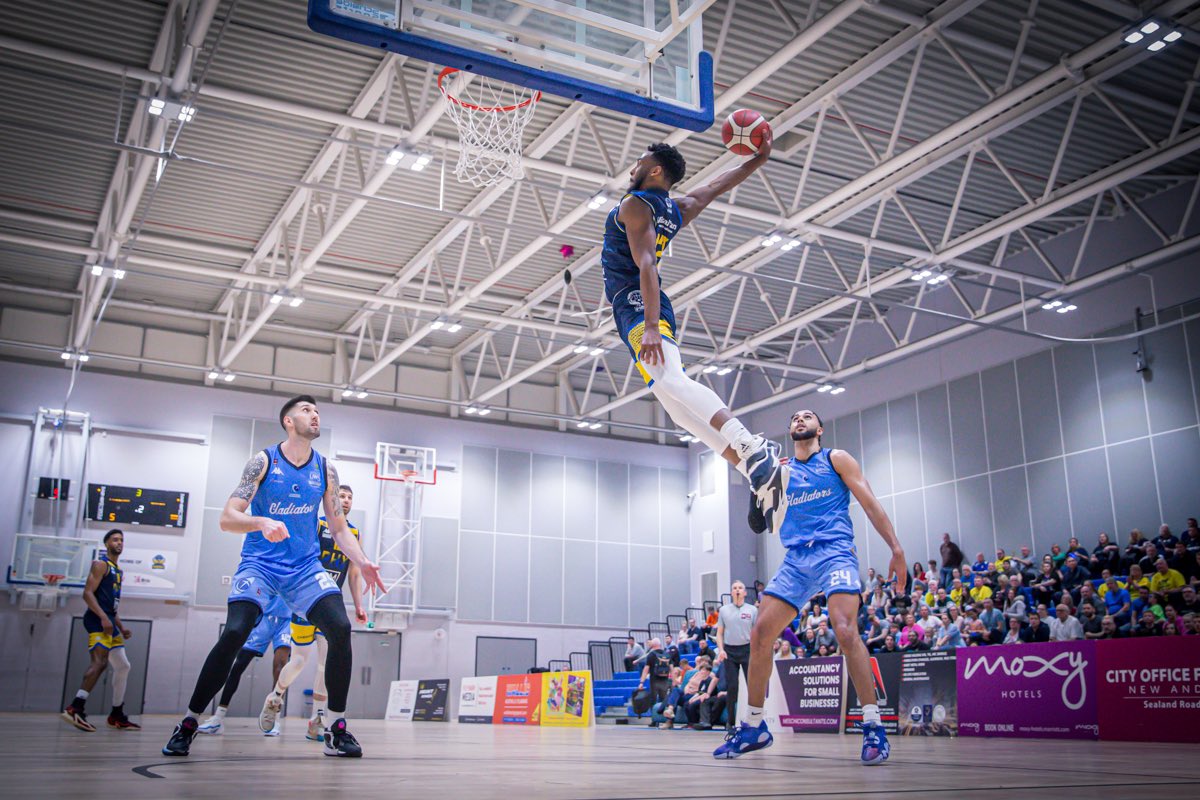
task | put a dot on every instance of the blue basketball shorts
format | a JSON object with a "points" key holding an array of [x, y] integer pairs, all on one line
{"points": [[629, 314], [275, 631], [817, 568], [300, 587]]}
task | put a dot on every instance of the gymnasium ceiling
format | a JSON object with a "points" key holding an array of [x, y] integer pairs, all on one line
{"points": [[970, 137]]}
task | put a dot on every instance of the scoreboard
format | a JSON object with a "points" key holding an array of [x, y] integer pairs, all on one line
{"points": [[129, 505]]}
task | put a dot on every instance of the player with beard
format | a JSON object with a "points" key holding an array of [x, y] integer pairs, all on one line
{"points": [[636, 234], [282, 487], [821, 558]]}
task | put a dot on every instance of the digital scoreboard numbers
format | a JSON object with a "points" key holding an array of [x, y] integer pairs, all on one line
{"points": [[130, 505]]}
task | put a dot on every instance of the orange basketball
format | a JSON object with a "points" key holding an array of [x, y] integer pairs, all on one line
{"points": [[743, 131]]}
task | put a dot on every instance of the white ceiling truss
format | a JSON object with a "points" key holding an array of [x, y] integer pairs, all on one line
{"points": [[963, 138]]}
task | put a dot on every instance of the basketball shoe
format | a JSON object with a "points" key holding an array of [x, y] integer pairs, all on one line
{"points": [[270, 711], [339, 742], [768, 480], [75, 716], [875, 749], [745, 739], [181, 740]]}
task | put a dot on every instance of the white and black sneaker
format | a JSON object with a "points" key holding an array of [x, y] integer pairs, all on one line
{"points": [[339, 742], [181, 740], [769, 481]]}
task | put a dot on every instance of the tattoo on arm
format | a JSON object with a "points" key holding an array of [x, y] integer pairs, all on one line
{"points": [[331, 489], [248, 485]]}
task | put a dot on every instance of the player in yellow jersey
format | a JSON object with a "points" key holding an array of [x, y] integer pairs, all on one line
{"points": [[305, 634]]}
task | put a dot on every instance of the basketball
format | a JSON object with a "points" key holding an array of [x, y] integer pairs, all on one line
{"points": [[743, 131]]}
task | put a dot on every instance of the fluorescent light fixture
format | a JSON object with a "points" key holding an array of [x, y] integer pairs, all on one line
{"points": [[838, 390], [1173, 36], [598, 201], [595, 426], [84, 358], [362, 395], [936, 279], [920, 276], [436, 324], [1156, 46], [97, 270], [421, 163], [1053, 304], [65, 355], [471, 410], [724, 371], [214, 375], [156, 107], [685, 437], [580, 349], [583, 423], [825, 387], [345, 392], [1150, 27], [710, 369], [790, 244], [229, 376], [1066, 309], [483, 412], [276, 298], [187, 113], [118, 274], [395, 156], [453, 327], [1134, 38], [596, 351], [296, 302]]}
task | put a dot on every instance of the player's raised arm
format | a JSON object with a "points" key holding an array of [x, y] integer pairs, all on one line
{"points": [[234, 518], [638, 222], [695, 201], [856, 482], [341, 530]]}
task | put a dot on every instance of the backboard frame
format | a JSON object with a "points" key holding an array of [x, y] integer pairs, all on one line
{"points": [[388, 33]]}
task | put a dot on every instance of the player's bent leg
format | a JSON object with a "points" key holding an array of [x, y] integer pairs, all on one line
{"points": [[329, 614], [240, 620], [121, 668], [843, 615], [774, 615], [320, 695]]}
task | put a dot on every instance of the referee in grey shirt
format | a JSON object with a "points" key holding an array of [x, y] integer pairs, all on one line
{"points": [[734, 622]]}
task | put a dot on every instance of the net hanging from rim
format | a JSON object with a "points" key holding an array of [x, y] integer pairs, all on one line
{"points": [[491, 116]]}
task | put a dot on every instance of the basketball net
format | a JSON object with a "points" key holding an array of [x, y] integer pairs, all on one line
{"points": [[491, 117]]}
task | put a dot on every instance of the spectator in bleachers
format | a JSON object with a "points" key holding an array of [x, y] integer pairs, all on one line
{"points": [[634, 654], [1105, 555], [1018, 582], [879, 598], [929, 623], [1038, 631], [1046, 588], [1056, 556], [705, 649], [1183, 561], [1191, 535], [1171, 619], [889, 645], [1090, 621], [952, 559], [1117, 602], [932, 571], [1189, 602], [1087, 593], [1136, 578], [993, 620], [1064, 627], [1109, 629], [1158, 605], [957, 595], [656, 670], [1193, 624], [980, 592], [1002, 564], [688, 643], [941, 601], [1149, 557], [783, 649], [1026, 567], [981, 566], [1074, 547], [825, 636], [1015, 633], [1165, 580], [1014, 606], [918, 572], [1073, 575], [1102, 587], [949, 635], [1133, 551], [1147, 625], [1165, 539], [1141, 602], [975, 632]]}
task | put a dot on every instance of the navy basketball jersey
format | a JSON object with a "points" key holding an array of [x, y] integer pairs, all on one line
{"points": [[620, 269], [291, 494], [108, 593], [818, 503], [335, 562]]}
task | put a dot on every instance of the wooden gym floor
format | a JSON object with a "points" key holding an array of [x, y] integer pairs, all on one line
{"points": [[44, 757]]}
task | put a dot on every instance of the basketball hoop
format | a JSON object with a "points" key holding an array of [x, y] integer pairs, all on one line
{"points": [[51, 579], [491, 117], [409, 476]]}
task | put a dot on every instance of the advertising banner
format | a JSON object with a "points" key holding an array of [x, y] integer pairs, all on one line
{"points": [[1045, 690], [812, 693], [432, 697], [566, 699], [518, 700], [928, 699], [1149, 689], [401, 699], [149, 569], [477, 700], [885, 667]]}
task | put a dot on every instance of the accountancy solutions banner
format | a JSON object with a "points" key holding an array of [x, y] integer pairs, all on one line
{"points": [[812, 694]]}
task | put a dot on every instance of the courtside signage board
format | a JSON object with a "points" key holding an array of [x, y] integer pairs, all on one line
{"points": [[928, 694], [1150, 689], [812, 692], [885, 671], [477, 700], [1046, 690], [566, 699], [553, 699], [432, 699], [402, 698]]}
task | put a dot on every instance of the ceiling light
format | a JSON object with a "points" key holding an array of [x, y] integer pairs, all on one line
{"points": [[454, 327], [118, 274], [276, 298], [579, 349], [421, 163], [214, 375], [583, 423], [97, 270], [920, 276], [84, 358], [1066, 309], [347, 392], [598, 201], [471, 410], [825, 387], [483, 412], [295, 302], [710, 369], [596, 351], [187, 114], [724, 371], [1134, 38], [229, 376], [595, 426], [156, 107], [685, 437], [362, 395], [1156, 46], [1173, 36], [838, 390], [1053, 304], [936, 279], [65, 355], [395, 156], [436, 324], [1150, 27]]}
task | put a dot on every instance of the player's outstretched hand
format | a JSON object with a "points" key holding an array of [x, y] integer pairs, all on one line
{"points": [[898, 569], [273, 530], [764, 149], [370, 574], [651, 351]]}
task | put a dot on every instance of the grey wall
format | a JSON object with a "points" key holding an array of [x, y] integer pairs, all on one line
{"points": [[1067, 441]]}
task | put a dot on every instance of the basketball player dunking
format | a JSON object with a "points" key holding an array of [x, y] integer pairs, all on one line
{"points": [[305, 634], [819, 538], [636, 233], [283, 486], [106, 637]]}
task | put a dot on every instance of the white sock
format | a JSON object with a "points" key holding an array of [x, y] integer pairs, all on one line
{"points": [[82, 694], [740, 439], [220, 715], [871, 714], [754, 716]]}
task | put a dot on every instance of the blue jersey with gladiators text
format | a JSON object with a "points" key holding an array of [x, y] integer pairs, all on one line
{"points": [[291, 494], [818, 503]]}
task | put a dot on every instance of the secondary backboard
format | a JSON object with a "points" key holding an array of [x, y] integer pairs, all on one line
{"points": [[37, 558], [644, 58]]}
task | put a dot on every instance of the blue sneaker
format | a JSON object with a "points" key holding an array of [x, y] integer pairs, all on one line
{"points": [[744, 739], [875, 744]]}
